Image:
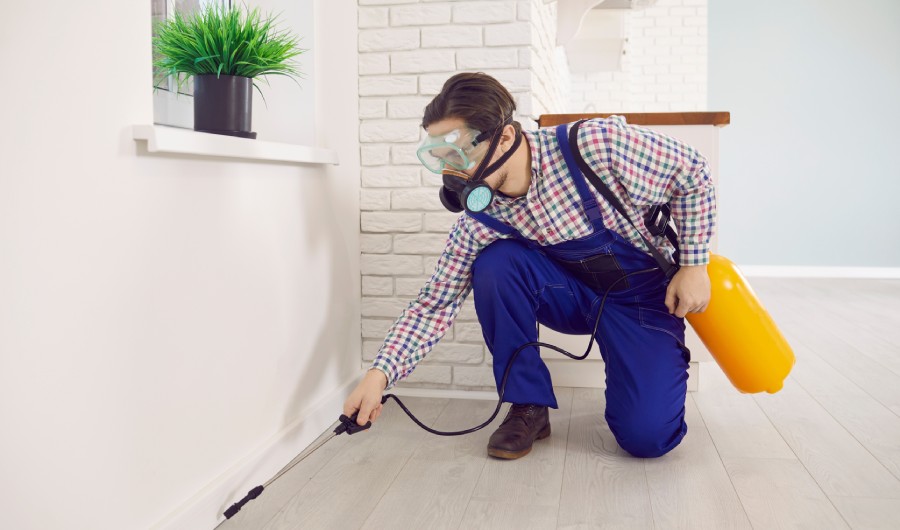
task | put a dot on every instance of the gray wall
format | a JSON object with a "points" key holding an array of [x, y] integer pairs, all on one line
{"points": [[809, 172]]}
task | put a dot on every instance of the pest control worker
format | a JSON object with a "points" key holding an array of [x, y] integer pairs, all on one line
{"points": [[539, 243]]}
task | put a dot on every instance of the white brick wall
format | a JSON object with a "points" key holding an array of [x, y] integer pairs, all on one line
{"points": [[664, 67], [407, 50], [546, 64], [474, 376]]}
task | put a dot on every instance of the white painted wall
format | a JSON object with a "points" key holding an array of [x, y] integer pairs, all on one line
{"points": [[161, 318], [807, 174]]}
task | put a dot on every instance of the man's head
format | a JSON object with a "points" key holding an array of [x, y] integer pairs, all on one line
{"points": [[476, 98], [471, 130]]}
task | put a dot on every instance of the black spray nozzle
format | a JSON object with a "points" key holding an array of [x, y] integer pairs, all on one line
{"points": [[236, 507]]}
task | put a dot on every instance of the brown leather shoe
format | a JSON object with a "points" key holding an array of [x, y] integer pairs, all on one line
{"points": [[522, 426]]}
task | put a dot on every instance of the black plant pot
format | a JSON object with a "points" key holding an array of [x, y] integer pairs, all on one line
{"points": [[223, 105]]}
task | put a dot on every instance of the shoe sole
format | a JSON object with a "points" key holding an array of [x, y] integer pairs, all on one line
{"points": [[512, 455]]}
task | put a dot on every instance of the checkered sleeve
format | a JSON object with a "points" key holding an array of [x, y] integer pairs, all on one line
{"points": [[657, 169], [427, 318]]}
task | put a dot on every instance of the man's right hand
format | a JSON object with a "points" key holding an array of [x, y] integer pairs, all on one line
{"points": [[366, 397]]}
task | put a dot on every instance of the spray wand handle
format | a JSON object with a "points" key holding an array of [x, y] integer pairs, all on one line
{"points": [[348, 423]]}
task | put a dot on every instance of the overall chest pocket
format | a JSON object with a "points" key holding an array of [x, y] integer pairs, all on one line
{"points": [[599, 271]]}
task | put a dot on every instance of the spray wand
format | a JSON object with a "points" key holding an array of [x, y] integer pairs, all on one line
{"points": [[348, 423]]}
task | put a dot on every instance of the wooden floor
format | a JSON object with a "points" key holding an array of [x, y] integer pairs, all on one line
{"points": [[822, 453]]}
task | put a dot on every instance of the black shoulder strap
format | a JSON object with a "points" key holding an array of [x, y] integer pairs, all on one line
{"points": [[607, 194]]}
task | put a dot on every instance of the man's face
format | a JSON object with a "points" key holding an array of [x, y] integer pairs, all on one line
{"points": [[451, 136]]}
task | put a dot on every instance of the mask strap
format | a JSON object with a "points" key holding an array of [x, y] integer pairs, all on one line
{"points": [[485, 171], [482, 168]]}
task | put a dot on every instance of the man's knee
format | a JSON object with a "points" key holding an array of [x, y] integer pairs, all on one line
{"points": [[646, 438], [496, 261]]}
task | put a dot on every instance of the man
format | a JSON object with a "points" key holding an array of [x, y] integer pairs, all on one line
{"points": [[537, 244]]}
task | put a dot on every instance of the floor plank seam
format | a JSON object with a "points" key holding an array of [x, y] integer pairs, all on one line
{"points": [[565, 456], [471, 494], [653, 523], [401, 467], [308, 482], [875, 333], [722, 462], [848, 431], [812, 351], [830, 332], [802, 463], [783, 439], [817, 329], [475, 483], [864, 390], [841, 315]]}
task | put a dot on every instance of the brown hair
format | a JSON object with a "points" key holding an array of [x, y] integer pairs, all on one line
{"points": [[479, 99]]}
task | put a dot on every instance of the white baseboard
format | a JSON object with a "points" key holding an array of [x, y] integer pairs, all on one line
{"points": [[591, 373], [777, 271], [205, 508]]}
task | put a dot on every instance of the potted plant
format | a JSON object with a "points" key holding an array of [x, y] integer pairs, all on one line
{"points": [[224, 50]]}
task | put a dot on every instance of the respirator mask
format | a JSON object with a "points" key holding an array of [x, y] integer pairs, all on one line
{"points": [[460, 150]]}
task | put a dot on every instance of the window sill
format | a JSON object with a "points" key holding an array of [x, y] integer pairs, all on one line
{"points": [[163, 139]]}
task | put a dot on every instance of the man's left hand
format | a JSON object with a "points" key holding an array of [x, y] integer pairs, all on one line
{"points": [[689, 291]]}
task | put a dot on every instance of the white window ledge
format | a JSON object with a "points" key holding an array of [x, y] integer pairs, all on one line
{"points": [[163, 139]]}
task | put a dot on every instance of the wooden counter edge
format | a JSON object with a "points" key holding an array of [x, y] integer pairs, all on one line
{"points": [[719, 119]]}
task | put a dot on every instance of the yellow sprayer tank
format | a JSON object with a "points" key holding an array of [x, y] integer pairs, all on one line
{"points": [[740, 334]]}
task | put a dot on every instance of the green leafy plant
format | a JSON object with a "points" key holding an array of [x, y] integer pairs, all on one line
{"points": [[224, 41]]}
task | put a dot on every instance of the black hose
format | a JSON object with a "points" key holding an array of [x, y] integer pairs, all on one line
{"points": [[509, 365]]}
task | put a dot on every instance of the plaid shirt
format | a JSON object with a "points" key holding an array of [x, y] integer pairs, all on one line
{"points": [[640, 166]]}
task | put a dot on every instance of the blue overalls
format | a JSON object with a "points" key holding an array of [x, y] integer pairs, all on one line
{"points": [[518, 284]]}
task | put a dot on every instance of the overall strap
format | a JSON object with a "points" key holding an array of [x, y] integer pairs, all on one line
{"points": [[573, 155], [588, 201]]}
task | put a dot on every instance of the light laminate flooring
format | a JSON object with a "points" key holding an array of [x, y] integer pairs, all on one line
{"points": [[822, 453]]}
